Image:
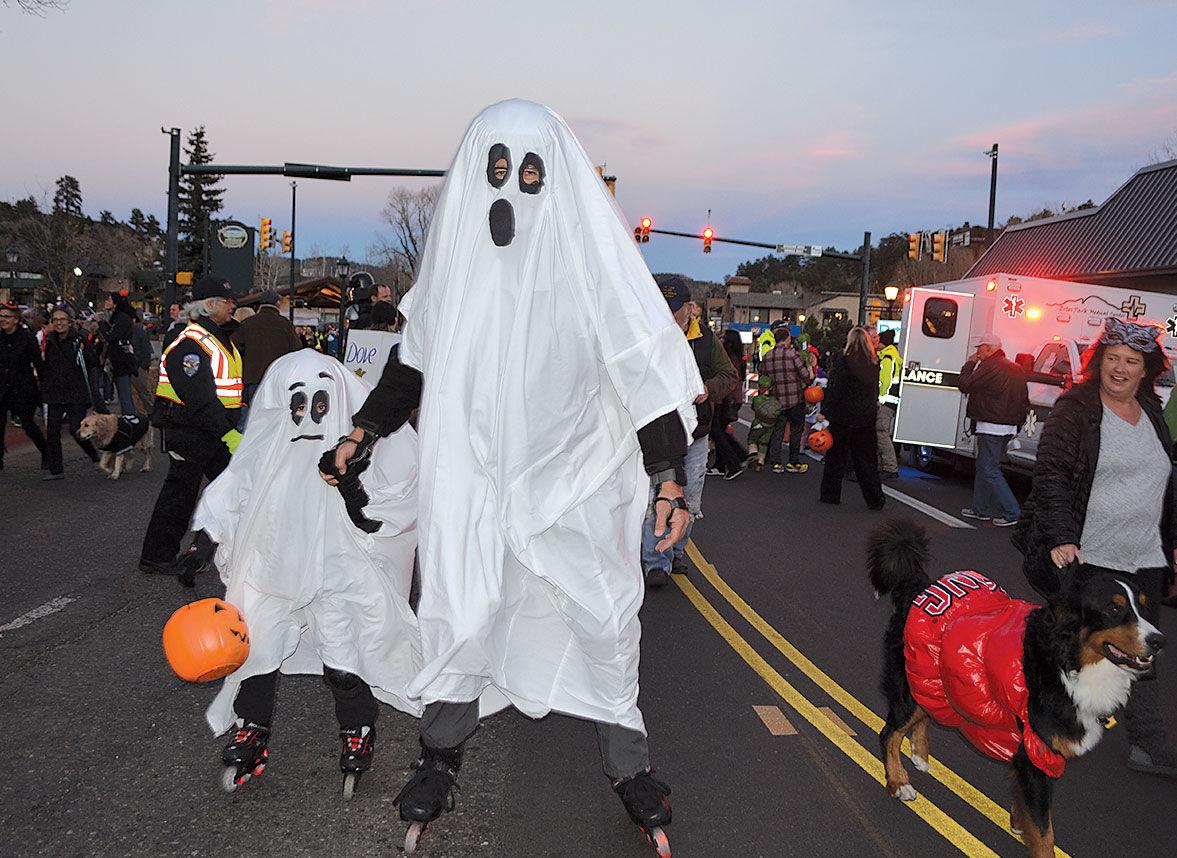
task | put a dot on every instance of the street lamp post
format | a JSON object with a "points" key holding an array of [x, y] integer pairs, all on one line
{"points": [[11, 257], [992, 153], [342, 272]]}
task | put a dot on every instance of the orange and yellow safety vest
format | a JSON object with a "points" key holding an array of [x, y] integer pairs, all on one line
{"points": [[225, 364]]}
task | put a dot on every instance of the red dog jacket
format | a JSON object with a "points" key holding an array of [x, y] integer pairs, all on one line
{"points": [[963, 646]]}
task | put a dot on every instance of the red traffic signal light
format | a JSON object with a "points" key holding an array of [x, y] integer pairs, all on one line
{"points": [[644, 229], [708, 234]]}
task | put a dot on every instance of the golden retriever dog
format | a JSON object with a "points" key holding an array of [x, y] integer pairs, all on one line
{"points": [[115, 436]]}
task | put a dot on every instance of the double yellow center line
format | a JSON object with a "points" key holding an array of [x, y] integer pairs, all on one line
{"points": [[944, 824]]}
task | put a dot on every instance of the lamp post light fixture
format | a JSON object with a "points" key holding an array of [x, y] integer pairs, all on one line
{"points": [[891, 292], [342, 271]]}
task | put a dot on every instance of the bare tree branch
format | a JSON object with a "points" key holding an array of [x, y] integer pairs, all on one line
{"points": [[38, 7]]}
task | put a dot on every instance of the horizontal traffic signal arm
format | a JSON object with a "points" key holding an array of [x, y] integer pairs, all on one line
{"points": [[834, 254], [304, 171]]}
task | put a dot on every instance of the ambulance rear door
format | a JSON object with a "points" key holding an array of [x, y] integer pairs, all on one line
{"points": [[936, 326]]}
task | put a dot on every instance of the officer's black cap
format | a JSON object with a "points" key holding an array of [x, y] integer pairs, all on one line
{"points": [[212, 287]]}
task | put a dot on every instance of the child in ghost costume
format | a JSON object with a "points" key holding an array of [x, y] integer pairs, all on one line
{"points": [[323, 585], [549, 371]]}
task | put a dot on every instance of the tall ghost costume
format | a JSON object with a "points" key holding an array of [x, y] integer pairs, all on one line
{"points": [[315, 589], [544, 345]]}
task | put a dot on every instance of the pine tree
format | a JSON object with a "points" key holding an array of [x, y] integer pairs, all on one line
{"points": [[67, 199], [200, 200]]}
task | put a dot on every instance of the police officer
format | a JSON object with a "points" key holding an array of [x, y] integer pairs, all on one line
{"points": [[197, 403]]}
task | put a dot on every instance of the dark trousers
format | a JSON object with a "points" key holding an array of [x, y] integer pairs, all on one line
{"points": [[859, 445], [72, 414], [729, 455], [123, 384], [25, 412], [355, 706], [99, 384], [202, 456], [624, 752], [794, 418]]}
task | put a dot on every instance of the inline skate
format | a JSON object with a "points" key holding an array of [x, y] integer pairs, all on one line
{"points": [[647, 802], [429, 791], [355, 758], [246, 755]]}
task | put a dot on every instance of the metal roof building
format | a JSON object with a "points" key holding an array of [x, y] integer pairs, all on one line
{"points": [[1130, 241]]}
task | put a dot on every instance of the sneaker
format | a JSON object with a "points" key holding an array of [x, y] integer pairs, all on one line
{"points": [[714, 472], [51, 476], [1161, 762], [797, 467], [890, 475], [778, 469], [656, 579], [731, 475], [1004, 522], [678, 566], [968, 512]]}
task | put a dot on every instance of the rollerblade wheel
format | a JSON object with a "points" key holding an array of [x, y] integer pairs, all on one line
{"points": [[661, 843], [351, 782], [413, 836], [229, 779]]}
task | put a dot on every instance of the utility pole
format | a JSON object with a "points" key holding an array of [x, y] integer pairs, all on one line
{"points": [[172, 258], [992, 153], [293, 239], [864, 286]]}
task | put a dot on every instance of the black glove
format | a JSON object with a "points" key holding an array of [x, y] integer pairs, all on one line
{"points": [[199, 558], [350, 487], [357, 463]]}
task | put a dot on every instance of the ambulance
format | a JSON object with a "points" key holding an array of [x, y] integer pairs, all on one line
{"points": [[1044, 325]]}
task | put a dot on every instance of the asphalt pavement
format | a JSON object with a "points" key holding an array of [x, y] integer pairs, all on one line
{"points": [[759, 674]]}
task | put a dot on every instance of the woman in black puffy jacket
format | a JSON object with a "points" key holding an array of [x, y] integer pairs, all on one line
{"points": [[1103, 501], [850, 404]]}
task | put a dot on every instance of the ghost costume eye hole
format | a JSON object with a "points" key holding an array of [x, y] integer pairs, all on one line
{"points": [[531, 173], [498, 165], [298, 406], [320, 405]]}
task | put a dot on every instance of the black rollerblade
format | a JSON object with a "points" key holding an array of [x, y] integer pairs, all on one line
{"points": [[246, 755], [429, 791], [647, 802], [356, 756]]}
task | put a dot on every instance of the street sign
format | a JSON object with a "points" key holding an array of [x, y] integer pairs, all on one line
{"points": [[799, 249]]}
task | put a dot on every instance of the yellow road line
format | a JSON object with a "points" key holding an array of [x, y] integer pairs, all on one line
{"points": [[980, 802], [945, 825]]}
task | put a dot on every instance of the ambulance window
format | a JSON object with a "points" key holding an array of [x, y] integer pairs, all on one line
{"points": [[940, 318], [1053, 359]]}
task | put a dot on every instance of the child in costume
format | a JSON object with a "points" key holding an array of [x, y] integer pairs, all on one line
{"points": [[321, 574]]}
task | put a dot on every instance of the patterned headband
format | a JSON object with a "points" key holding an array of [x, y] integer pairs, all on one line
{"points": [[1141, 338]]}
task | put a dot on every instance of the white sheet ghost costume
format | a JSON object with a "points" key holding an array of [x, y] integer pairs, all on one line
{"points": [[545, 345], [313, 587]]}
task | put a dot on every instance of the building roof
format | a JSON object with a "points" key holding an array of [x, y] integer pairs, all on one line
{"points": [[767, 300], [1134, 233]]}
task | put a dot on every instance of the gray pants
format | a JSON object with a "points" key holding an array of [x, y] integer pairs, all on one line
{"points": [[624, 752], [884, 421]]}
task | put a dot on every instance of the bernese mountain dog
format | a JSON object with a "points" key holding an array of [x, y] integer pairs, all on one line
{"points": [[1030, 685]]}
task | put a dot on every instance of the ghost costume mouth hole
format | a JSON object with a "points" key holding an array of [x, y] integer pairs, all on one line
{"points": [[502, 223]]}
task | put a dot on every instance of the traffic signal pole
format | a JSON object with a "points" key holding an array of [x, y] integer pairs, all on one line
{"points": [[293, 170], [293, 238]]}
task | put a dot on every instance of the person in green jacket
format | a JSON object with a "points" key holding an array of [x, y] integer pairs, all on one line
{"points": [[890, 370]]}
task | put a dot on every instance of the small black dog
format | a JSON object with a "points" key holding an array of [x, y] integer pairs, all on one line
{"points": [[1029, 685]]}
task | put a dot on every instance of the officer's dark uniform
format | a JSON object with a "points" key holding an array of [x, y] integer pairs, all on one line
{"points": [[195, 429]]}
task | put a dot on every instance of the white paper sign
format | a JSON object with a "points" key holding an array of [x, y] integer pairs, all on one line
{"points": [[367, 352]]}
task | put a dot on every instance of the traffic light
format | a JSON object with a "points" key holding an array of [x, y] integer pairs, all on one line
{"points": [[637, 234], [913, 246], [267, 234], [287, 241], [645, 227], [708, 234], [939, 246]]}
